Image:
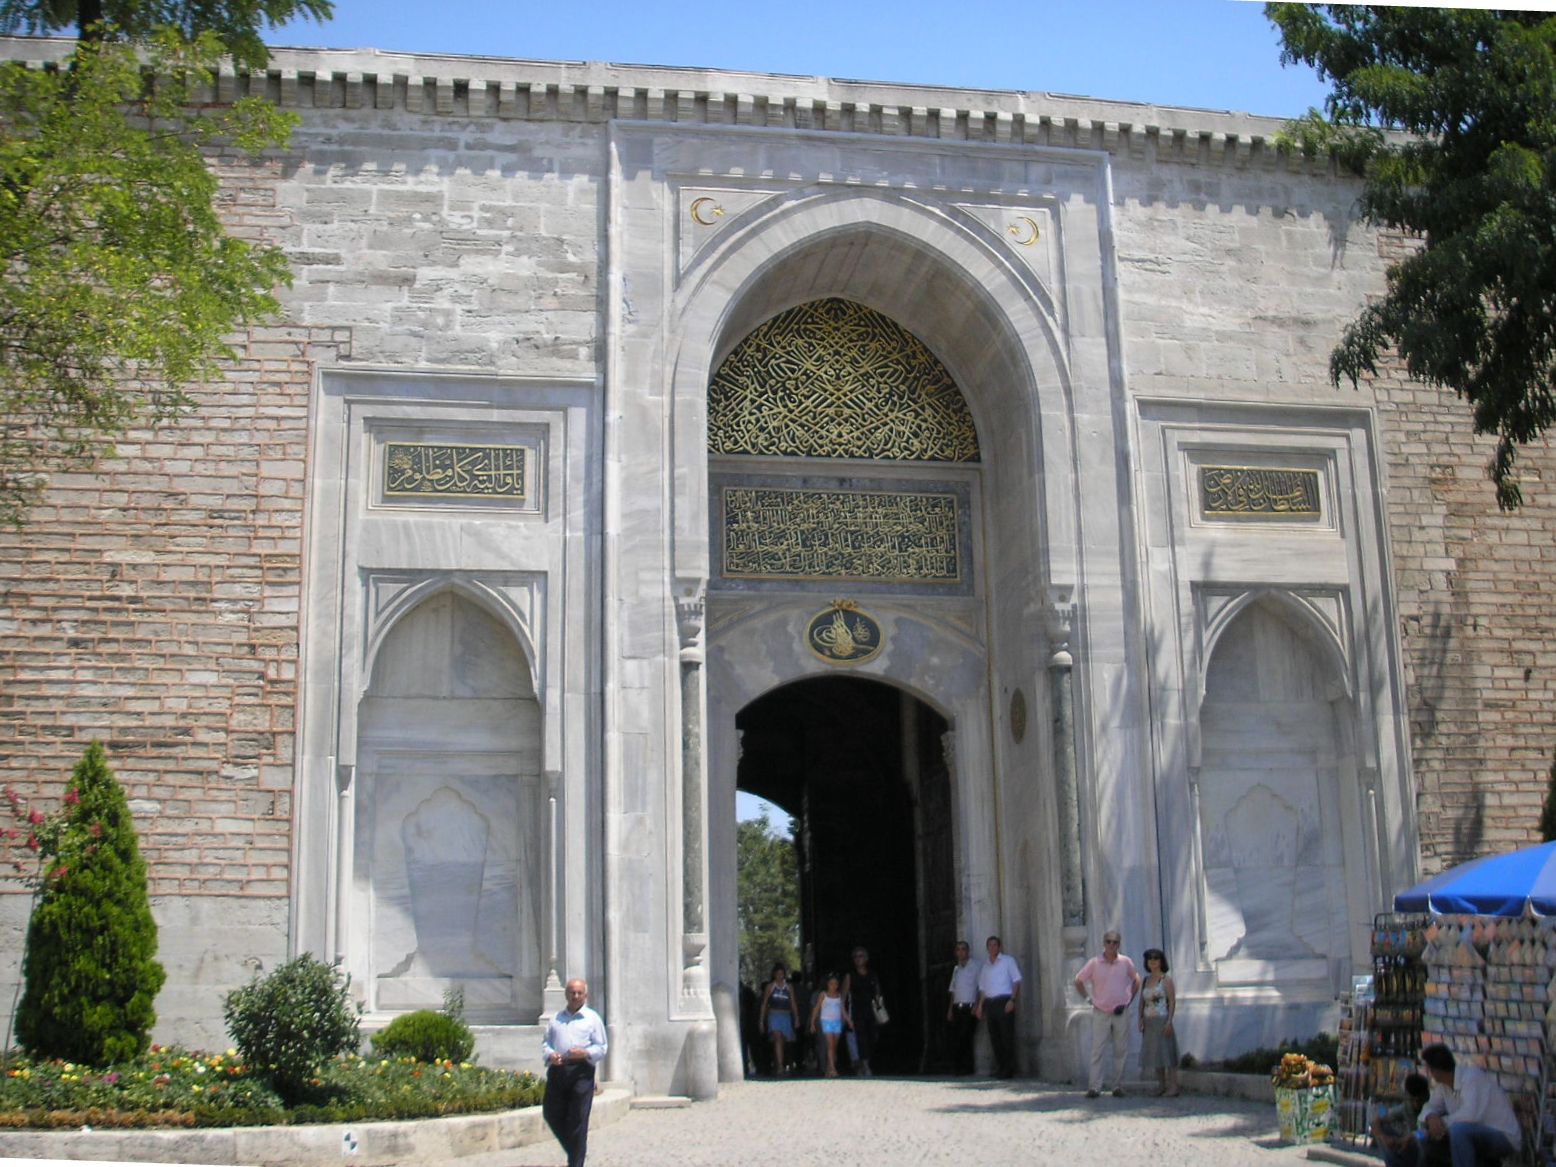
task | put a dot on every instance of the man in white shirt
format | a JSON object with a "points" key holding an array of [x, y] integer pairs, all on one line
{"points": [[1468, 1110], [999, 988], [961, 998], [575, 1044]]}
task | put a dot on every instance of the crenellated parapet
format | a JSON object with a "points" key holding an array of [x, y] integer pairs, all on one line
{"points": [[463, 87]]}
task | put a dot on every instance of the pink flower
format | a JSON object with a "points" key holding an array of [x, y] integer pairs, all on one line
{"points": [[72, 797], [35, 817], [59, 872], [96, 830], [32, 842]]}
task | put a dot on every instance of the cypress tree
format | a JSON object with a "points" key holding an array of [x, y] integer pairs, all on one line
{"points": [[90, 970]]}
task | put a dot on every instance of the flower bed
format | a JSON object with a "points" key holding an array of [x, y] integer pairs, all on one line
{"points": [[172, 1087]]}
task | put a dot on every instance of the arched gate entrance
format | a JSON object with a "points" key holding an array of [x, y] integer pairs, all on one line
{"points": [[860, 766]]}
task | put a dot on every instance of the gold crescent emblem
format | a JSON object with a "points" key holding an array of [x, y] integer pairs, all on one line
{"points": [[1017, 230], [696, 210]]}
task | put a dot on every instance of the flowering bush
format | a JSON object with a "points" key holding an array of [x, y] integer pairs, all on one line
{"points": [[289, 1022], [173, 1087], [1297, 1072]]}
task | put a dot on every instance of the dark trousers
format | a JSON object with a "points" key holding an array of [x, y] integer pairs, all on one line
{"points": [[569, 1098], [963, 1026], [1002, 1035]]}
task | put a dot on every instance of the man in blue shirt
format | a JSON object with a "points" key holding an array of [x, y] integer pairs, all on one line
{"points": [[575, 1044]]}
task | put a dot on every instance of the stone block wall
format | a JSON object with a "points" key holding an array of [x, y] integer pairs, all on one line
{"points": [[445, 244]]}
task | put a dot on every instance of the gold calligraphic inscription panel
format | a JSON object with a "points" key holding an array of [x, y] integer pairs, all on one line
{"points": [[834, 379], [1259, 492], [443, 470], [808, 534]]}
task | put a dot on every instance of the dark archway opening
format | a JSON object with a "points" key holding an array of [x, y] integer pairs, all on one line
{"points": [[860, 767]]}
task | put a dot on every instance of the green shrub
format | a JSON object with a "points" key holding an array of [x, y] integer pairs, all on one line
{"points": [[1321, 1047], [90, 968], [289, 1023], [427, 1036]]}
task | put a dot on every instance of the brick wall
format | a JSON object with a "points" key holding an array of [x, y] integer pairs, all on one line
{"points": [[154, 605], [1476, 595]]}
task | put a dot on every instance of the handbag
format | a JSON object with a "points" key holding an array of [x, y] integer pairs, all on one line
{"points": [[878, 1007]]}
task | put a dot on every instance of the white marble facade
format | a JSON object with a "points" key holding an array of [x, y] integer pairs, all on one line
{"points": [[517, 747]]}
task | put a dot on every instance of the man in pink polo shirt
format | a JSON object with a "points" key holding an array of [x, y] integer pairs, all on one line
{"points": [[1113, 982]]}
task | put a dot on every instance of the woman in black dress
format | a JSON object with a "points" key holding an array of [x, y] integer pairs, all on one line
{"points": [[860, 989]]}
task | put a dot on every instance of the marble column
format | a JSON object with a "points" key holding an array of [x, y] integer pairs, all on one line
{"points": [[702, 1048], [1060, 618], [690, 609]]}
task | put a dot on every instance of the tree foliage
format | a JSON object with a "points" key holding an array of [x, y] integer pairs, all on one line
{"points": [[90, 971], [1472, 174], [767, 900], [236, 24], [120, 284]]}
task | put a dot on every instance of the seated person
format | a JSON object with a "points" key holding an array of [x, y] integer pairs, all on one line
{"points": [[1393, 1124], [1468, 1114], [1395, 1128]]}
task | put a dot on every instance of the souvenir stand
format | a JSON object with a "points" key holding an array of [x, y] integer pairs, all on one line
{"points": [[1353, 1064], [1488, 963], [1384, 1038]]}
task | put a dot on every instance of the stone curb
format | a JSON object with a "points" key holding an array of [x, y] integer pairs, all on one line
{"points": [[432, 1142], [1253, 1087], [1342, 1157]]}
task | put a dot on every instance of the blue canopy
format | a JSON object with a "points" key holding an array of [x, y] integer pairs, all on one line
{"points": [[1494, 885]]}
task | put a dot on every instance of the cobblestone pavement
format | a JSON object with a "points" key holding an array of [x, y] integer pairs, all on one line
{"points": [[968, 1123]]}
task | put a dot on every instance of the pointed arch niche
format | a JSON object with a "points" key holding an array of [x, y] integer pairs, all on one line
{"points": [[446, 866], [1277, 772]]}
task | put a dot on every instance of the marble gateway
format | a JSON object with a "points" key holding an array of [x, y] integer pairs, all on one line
{"points": [[957, 470]]}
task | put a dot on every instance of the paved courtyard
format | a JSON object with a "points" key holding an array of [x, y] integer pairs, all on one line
{"points": [[905, 1121]]}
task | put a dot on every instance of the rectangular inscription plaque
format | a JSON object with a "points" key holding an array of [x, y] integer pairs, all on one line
{"points": [[1257, 492], [773, 533], [422, 470]]}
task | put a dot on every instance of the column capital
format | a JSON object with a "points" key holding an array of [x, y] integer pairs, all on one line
{"points": [[1058, 612], [690, 615]]}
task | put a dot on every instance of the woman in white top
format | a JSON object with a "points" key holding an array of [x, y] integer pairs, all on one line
{"points": [[829, 1016], [1158, 1004]]}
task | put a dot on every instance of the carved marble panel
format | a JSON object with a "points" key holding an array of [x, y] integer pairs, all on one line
{"points": [[447, 863], [453, 848], [706, 213], [1269, 797], [1027, 232]]}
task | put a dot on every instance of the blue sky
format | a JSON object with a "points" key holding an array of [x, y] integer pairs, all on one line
{"points": [[1211, 54]]}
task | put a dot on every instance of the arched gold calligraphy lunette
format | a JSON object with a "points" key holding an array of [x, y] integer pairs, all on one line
{"points": [[1018, 230], [696, 210]]}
